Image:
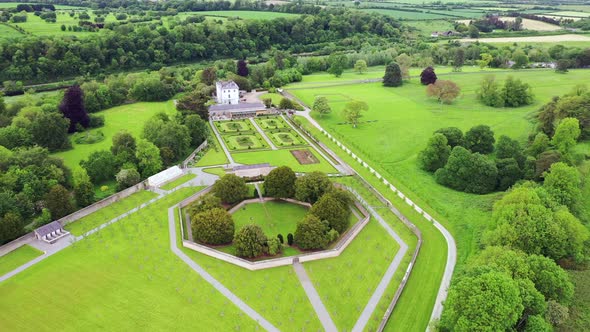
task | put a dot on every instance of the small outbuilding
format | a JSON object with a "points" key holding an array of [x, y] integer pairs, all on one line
{"points": [[51, 232]]}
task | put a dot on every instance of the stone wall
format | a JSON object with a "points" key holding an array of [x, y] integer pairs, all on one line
{"points": [[192, 155]]}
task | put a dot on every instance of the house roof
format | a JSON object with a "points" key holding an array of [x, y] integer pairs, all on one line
{"points": [[47, 229], [241, 107], [228, 84]]}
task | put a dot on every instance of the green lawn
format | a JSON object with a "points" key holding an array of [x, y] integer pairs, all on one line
{"points": [[285, 138], [404, 119], [38, 26], [114, 210], [271, 122], [233, 126], [245, 14], [215, 170], [283, 157], [274, 217], [214, 154], [127, 117], [415, 304], [247, 141], [346, 283], [275, 97], [173, 184], [18, 257], [123, 278], [274, 293], [8, 32]]}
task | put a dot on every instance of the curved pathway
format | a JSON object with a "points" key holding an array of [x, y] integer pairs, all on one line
{"points": [[451, 246]]}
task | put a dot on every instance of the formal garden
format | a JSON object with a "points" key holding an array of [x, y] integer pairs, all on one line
{"points": [[244, 141], [285, 137], [291, 216], [234, 126], [271, 122]]}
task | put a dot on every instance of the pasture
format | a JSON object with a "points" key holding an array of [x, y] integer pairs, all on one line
{"points": [[532, 39], [535, 25], [402, 120], [37, 26], [129, 117]]}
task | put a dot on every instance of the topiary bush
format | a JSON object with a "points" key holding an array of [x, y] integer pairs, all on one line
{"points": [[312, 233], [290, 239], [250, 241], [214, 226]]}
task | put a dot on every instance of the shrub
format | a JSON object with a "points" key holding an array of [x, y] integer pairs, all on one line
{"points": [[214, 226], [95, 121], [274, 246], [436, 153], [290, 239], [310, 187], [249, 241], [312, 233], [281, 239], [127, 178], [207, 202], [230, 188], [333, 208], [480, 139], [428, 76], [468, 172]]}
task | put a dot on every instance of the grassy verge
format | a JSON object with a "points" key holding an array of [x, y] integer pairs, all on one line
{"points": [[114, 210], [183, 179], [220, 171], [18, 257]]}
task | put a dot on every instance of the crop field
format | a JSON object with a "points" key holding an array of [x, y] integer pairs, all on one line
{"points": [[124, 277], [18, 257], [408, 118], [533, 39], [129, 117]]}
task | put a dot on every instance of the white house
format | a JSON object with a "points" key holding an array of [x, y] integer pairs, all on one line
{"points": [[227, 92]]}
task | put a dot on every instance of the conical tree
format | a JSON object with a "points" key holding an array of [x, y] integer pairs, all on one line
{"points": [[72, 107], [393, 75]]}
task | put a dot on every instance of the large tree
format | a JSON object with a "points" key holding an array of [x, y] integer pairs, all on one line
{"points": [[280, 183], [250, 241], [83, 188], [337, 64], [72, 108], [393, 75], [59, 202], [480, 139], [563, 183], [566, 135], [100, 166], [428, 76], [468, 172], [445, 91], [405, 62], [197, 128], [312, 233], [148, 158], [360, 66], [436, 154], [331, 208], [320, 105], [353, 111], [242, 68], [485, 302], [454, 136], [310, 187], [230, 188], [214, 226], [50, 130], [194, 102]]}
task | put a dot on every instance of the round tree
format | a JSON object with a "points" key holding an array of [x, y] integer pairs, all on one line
{"points": [[127, 178], [280, 183], [206, 202], [480, 139], [436, 154], [332, 209], [393, 75], [312, 233], [428, 76], [230, 188], [59, 202], [250, 241], [454, 136], [214, 226], [310, 187]]}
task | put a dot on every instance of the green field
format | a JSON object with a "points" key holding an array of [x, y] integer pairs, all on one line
{"points": [[215, 170], [37, 26], [245, 14], [18, 257], [127, 117], [8, 32], [274, 217], [124, 278], [283, 157], [114, 210], [173, 184], [407, 14], [275, 97]]}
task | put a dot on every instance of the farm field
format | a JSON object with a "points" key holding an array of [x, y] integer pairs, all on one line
{"points": [[244, 14], [8, 32], [409, 119], [570, 13], [37, 26], [129, 117], [18, 257], [14, 4], [173, 184], [114, 210], [529, 24], [98, 278], [532, 39], [400, 14]]}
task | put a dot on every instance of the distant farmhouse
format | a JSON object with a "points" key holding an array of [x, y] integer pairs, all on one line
{"points": [[229, 105]]}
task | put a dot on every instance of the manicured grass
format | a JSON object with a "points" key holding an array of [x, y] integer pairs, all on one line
{"points": [[214, 154], [127, 117], [404, 119], [18, 257], [415, 305], [114, 210], [275, 97], [274, 293], [245, 142], [173, 184], [272, 122], [346, 283], [225, 127], [246, 14], [285, 138], [283, 157], [123, 278], [215, 170], [274, 217]]}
